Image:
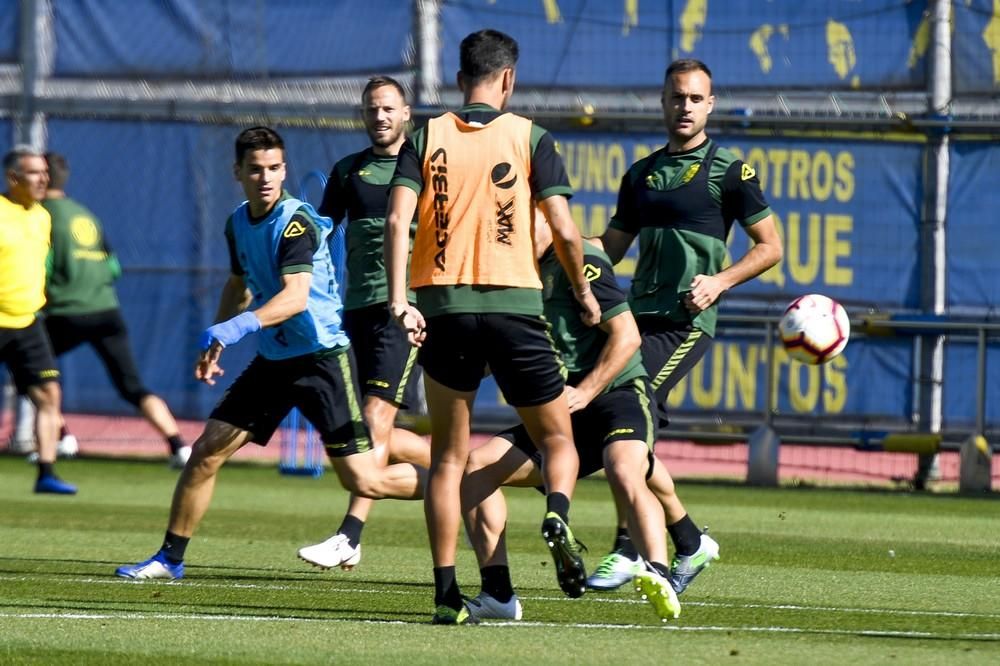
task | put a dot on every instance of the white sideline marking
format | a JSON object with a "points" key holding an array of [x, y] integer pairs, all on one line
{"points": [[589, 598], [572, 625]]}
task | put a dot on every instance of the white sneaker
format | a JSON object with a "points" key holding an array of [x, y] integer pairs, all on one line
{"points": [[179, 460], [486, 607], [334, 552], [68, 447], [613, 571], [21, 447]]}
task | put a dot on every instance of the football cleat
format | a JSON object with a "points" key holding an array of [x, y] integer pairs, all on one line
{"points": [[447, 615], [684, 568], [565, 551], [659, 592], [486, 607], [614, 571], [334, 552], [179, 459], [156, 567], [53, 485]]}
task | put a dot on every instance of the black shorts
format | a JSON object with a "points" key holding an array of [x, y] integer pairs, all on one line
{"points": [[105, 331], [624, 413], [28, 354], [387, 362], [322, 386], [517, 349], [669, 351]]}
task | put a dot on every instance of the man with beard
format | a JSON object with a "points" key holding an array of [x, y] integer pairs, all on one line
{"points": [[681, 201], [358, 189]]}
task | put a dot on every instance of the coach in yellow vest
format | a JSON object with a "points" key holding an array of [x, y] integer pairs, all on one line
{"points": [[474, 177], [24, 254]]}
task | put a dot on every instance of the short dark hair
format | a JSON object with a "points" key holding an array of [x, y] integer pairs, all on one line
{"points": [[257, 138], [58, 170], [380, 81], [485, 53], [686, 65], [12, 160]]}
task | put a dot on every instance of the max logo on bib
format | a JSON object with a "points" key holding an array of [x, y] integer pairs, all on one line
{"points": [[747, 172], [499, 172], [294, 229]]}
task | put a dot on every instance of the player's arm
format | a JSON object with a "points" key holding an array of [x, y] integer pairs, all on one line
{"points": [[551, 189], [623, 341], [405, 188], [624, 225], [741, 199], [333, 204], [234, 299]]}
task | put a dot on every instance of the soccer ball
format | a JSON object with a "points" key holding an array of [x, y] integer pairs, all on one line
{"points": [[814, 329]]}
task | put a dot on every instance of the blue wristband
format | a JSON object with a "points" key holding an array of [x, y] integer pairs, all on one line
{"points": [[231, 331]]}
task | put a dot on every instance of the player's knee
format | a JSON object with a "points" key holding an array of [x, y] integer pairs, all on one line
{"points": [[134, 394]]}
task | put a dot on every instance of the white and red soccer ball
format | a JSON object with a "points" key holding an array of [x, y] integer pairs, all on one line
{"points": [[814, 329]]}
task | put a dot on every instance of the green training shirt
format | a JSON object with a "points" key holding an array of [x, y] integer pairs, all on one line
{"points": [[682, 209], [580, 345], [83, 267], [358, 189]]}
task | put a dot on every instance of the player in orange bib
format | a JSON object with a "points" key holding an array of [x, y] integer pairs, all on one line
{"points": [[474, 177]]}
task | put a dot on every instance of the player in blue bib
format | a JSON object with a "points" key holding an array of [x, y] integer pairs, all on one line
{"points": [[282, 284]]}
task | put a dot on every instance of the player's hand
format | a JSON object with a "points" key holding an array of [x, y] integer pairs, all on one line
{"points": [[410, 320], [207, 367], [705, 290], [591, 314], [575, 398]]}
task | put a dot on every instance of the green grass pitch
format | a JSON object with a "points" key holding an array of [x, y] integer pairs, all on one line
{"points": [[818, 576]]}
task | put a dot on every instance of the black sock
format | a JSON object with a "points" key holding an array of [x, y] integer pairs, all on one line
{"points": [[351, 528], [496, 582], [45, 469], [661, 569], [685, 535], [446, 588], [559, 504], [174, 546], [624, 544], [175, 443], [63, 431]]}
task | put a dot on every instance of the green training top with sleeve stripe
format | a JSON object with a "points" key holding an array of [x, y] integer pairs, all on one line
{"points": [[682, 206]]}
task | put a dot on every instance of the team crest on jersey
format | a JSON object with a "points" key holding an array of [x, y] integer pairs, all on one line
{"points": [[84, 231], [294, 230], [691, 172], [747, 172], [591, 272]]}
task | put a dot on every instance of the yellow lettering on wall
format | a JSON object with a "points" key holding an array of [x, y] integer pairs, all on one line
{"points": [[641, 150], [779, 158], [798, 175], [844, 189], [676, 396], [803, 398], [757, 158], [835, 389], [708, 396], [741, 378], [821, 175], [616, 167], [803, 272], [836, 248], [595, 167]]}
